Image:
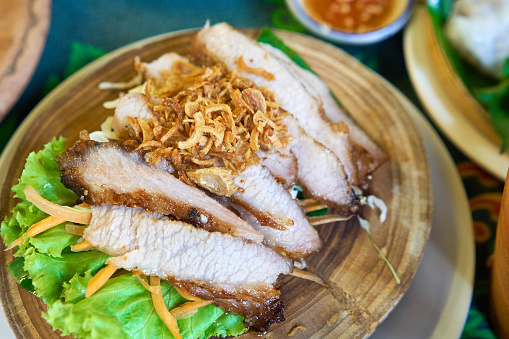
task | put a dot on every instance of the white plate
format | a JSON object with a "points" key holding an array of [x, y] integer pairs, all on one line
{"points": [[437, 302], [440, 108]]}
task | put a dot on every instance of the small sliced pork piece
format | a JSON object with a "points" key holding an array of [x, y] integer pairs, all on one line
{"points": [[134, 104], [296, 242], [242, 277], [320, 173], [107, 173], [130, 105], [222, 43], [270, 203], [163, 63], [282, 164]]}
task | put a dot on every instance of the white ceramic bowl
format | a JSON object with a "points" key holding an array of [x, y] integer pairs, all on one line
{"points": [[394, 21]]}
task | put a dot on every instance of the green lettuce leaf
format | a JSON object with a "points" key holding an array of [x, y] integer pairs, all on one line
{"points": [[47, 268], [20, 275], [49, 273], [124, 307], [75, 289], [53, 241], [41, 172]]}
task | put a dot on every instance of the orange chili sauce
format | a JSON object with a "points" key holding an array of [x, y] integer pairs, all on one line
{"points": [[352, 16]]}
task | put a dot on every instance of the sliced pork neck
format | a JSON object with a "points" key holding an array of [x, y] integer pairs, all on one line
{"points": [[320, 173], [264, 197], [280, 217], [222, 43], [240, 276], [130, 105], [282, 164], [107, 173]]}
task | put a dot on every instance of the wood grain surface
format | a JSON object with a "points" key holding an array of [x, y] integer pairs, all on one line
{"points": [[24, 26], [362, 290]]}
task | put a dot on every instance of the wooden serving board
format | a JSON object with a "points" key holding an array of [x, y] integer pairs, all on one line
{"points": [[23, 30], [362, 289]]}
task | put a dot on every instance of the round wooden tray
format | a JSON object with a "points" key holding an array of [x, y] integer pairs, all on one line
{"points": [[362, 289], [23, 30]]}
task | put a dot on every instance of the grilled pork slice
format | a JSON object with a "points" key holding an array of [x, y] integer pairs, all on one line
{"points": [[242, 277], [107, 173], [222, 43], [295, 242], [280, 216], [282, 164], [320, 173], [368, 154]]}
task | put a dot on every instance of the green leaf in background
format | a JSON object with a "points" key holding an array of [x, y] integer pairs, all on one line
{"points": [[505, 69], [81, 54], [496, 100]]}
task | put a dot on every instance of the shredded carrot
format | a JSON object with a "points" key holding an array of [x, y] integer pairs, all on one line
{"points": [[37, 228], [82, 246], [99, 279], [62, 212], [75, 229], [145, 284], [189, 309], [162, 311], [185, 294], [308, 276]]}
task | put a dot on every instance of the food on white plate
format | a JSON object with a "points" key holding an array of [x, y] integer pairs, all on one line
{"points": [[478, 31], [184, 186]]}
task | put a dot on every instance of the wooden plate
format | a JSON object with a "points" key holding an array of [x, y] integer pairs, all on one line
{"points": [[23, 31], [362, 290]]}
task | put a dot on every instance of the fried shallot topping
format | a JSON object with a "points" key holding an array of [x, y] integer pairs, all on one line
{"points": [[208, 122]]}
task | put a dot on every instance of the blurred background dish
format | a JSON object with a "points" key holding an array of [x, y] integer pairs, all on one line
{"points": [[427, 79], [357, 22], [23, 30]]}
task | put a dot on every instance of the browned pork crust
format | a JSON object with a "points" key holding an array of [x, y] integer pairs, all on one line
{"points": [[109, 173], [259, 313]]}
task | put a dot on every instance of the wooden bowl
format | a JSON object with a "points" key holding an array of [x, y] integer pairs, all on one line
{"points": [[362, 289]]}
